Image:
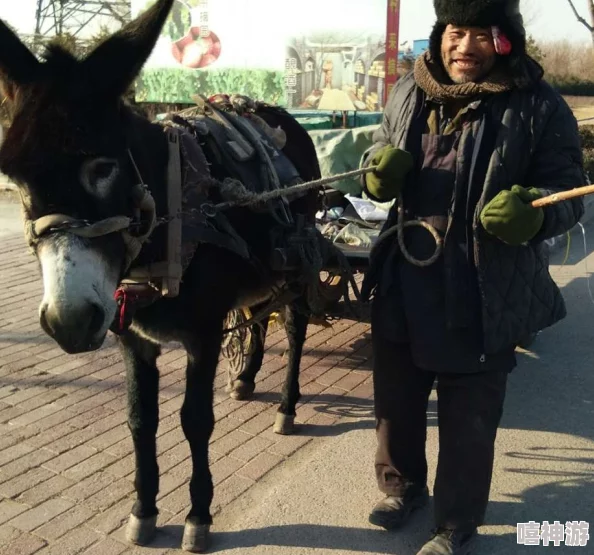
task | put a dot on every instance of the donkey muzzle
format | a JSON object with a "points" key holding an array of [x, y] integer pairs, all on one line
{"points": [[77, 331]]}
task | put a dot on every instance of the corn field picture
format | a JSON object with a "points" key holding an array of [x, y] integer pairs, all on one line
{"points": [[167, 85]]}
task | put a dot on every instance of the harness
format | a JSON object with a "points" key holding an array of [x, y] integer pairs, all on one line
{"points": [[158, 250], [135, 230]]}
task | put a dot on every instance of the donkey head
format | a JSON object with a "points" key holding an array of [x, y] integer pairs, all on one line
{"points": [[67, 149]]}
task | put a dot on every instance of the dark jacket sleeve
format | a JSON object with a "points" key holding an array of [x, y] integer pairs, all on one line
{"points": [[381, 137], [557, 165]]}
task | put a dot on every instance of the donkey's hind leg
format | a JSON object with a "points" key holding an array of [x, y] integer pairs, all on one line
{"points": [[197, 419], [142, 377], [296, 320], [244, 383]]}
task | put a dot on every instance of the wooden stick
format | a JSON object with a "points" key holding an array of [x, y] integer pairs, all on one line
{"points": [[565, 195]]}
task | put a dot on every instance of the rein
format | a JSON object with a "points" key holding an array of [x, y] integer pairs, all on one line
{"points": [[138, 287], [146, 217], [246, 198]]}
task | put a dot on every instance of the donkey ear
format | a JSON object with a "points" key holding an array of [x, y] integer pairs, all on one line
{"points": [[115, 63], [18, 66]]}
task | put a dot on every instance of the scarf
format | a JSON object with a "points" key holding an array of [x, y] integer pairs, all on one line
{"points": [[432, 78]]}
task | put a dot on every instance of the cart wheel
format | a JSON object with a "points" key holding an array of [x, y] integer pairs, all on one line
{"points": [[331, 287], [237, 345]]}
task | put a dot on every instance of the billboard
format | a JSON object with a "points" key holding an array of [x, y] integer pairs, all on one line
{"points": [[314, 55]]}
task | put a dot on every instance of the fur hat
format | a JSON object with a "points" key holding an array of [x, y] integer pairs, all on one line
{"points": [[504, 14], [480, 13]]}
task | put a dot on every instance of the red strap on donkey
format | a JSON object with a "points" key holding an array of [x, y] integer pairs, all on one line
{"points": [[130, 297]]}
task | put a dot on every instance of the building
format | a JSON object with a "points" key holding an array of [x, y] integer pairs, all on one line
{"points": [[419, 46], [352, 69]]}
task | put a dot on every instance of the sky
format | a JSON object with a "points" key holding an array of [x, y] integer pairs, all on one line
{"points": [[545, 19]]}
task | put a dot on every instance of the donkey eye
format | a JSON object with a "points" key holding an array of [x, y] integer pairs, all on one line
{"points": [[98, 175], [102, 170]]}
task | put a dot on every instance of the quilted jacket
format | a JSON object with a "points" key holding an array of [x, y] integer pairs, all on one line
{"points": [[527, 137]]}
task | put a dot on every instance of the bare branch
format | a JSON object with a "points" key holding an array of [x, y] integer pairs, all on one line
{"points": [[580, 18], [530, 12]]}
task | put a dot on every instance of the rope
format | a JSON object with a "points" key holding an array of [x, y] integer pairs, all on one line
{"points": [[398, 230], [402, 224], [248, 198]]}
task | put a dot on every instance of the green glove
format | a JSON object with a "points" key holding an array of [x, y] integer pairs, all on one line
{"points": [[387, 181], [510, 218]]}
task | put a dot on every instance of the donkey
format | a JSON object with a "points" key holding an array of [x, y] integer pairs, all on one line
{"points": [[76, 150]]}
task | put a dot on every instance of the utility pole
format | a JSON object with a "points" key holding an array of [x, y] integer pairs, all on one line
{"points": [[57, 17]]}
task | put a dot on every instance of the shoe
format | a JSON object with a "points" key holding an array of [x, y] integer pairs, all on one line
{"points": [[449, 542], [392, 512]]}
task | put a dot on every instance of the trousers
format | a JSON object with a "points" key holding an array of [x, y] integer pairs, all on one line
{"points": [[469, 410]]}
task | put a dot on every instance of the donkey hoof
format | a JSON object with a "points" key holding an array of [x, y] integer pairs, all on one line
{"points": [[241, 391], [196, 537], [141, 531], [284, 424]]}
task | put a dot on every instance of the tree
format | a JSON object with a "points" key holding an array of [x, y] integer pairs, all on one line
{"points": [[533, 49], [530, 12], [589, 26]]}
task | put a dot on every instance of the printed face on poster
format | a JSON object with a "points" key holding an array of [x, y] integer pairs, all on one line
{"points": [[326, 55]]}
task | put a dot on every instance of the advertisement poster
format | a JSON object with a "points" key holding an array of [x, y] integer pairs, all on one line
{"points": [[314, 55]]}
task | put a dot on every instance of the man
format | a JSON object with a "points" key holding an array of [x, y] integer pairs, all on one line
{"points": [[469, 139]]}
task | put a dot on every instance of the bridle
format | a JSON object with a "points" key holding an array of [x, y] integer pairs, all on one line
{"points": [[135, 229]]}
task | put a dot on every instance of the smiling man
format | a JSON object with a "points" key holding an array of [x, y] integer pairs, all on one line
{"points": [[468, 140], [467, 53]]}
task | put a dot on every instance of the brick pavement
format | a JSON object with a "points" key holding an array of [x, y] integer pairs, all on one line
{"points": [[66, 458]]}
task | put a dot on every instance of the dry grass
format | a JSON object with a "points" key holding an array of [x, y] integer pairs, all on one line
{"points": [[582, 106], [565, 59]]}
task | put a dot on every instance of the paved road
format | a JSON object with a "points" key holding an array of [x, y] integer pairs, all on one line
{"points": [[65, 453], [10, 219], [319, 502]]}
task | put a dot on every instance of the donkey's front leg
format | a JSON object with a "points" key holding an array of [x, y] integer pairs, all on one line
{"points": [[297, 318], [142, 376], [197, 418]]}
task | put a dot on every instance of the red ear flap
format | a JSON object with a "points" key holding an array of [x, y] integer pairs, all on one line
{"points": [[503, 46]]}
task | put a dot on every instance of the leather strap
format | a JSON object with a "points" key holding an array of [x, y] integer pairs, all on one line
{"points": [[170, 283], [47, 224]]}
